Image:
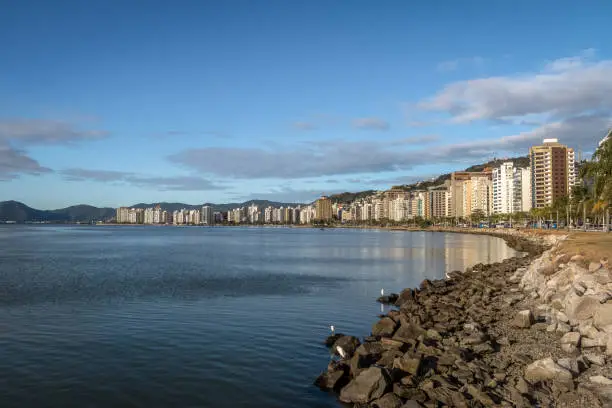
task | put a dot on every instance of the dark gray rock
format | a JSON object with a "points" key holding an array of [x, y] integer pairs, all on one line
{"points": [[348, 345]]}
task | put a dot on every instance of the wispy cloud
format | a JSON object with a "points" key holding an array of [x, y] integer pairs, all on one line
{"points": [[342, 157], [167, 183], [370, 124], [453, 65], [565, 87], [45, 132], [14, 162]]}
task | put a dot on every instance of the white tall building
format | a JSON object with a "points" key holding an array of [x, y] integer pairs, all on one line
{"points": [[177, 217], [148, 216], [511, 189], [194, 217], [208, 216], [157, 215], [503, 189], [522, 190], [398, 209]]}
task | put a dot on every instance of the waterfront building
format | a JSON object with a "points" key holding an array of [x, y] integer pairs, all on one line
{"points": [[323, 209], [122, 216], [177, 217], [148, 216], [469, 192], [208, 217], [157, 215], [522, 190], [398, 209], [553, 172], [194, 217], [438, 202], [503, 188], [268, 215]]}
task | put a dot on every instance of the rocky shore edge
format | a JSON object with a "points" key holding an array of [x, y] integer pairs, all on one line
{"points": [[533, 330]]}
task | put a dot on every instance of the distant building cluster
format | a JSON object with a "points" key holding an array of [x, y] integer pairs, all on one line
{"points": [[506, 189]]}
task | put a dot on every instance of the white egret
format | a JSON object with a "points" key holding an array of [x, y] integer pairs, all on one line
{"points": [[341, 352], [333, 330], [382, 292]]}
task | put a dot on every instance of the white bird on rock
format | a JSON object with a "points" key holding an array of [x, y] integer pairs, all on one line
{"points": [[333, 330], [382, 292], [341, 351]]}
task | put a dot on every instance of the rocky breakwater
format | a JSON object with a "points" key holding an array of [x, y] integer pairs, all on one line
{"points": [[475, 339]]}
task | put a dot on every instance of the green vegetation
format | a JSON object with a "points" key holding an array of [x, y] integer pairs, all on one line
{"points": [[346, 197], [594, 196]]}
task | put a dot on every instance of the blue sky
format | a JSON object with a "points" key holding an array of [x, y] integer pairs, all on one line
{"points": [[116, 102]]}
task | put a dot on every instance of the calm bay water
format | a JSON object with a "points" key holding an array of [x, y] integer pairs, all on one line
{"points": [[197, 317]]}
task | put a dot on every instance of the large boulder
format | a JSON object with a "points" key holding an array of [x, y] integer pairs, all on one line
{"points": [[409, 363], [545, 370], [389, 400], [385, 327], [370, 384], [546, 267], [582, 308], [570, 342], [523, 319], [333, 379], [408, 331], [345, 346], [602, 316]]}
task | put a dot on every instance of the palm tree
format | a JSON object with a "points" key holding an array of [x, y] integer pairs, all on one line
{"points": [[599, 170]]}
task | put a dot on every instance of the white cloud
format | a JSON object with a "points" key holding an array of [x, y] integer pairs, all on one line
{"points": [[565, 87]]}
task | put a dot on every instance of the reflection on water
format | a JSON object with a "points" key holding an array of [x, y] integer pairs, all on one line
{"points": [[158, 317]]}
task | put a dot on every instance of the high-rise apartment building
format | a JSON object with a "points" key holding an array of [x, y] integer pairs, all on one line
{"points": [[148, 216], [553, 172], [503, 188], [511, 189], [470, 191], [522, 190], [208, 216], [438, 202], [323, 209], [122, 215]]}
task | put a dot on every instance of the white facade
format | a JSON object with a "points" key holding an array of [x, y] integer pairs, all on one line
{"points": [[268, 215], [478, 195], [503, 189], [157, 215], [148, 216], [398, 209], [522, 190]]}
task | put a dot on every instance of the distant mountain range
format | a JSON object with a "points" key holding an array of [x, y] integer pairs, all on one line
{"points": [[19, 212]]}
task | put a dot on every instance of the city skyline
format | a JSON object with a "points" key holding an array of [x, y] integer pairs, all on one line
{"points": [[235, 101]]}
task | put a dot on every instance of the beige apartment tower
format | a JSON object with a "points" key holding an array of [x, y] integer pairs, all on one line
{"points": [[553, 172], [323, 208]]}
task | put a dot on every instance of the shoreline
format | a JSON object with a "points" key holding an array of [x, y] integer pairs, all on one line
{"points": [[527, 331]]}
